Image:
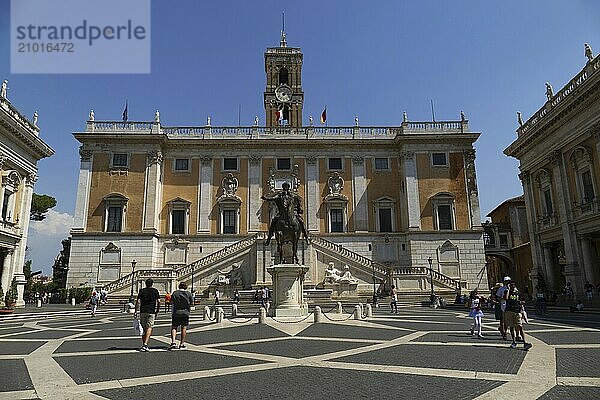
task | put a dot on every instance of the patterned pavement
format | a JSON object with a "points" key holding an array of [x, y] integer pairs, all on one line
{"points": [[416, 354]]}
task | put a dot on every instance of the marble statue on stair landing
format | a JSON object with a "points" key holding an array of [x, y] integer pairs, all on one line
{"points": [[334, 275]]}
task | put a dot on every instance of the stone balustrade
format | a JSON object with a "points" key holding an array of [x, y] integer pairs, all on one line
{"points": [[256, 132], [590, 69]]}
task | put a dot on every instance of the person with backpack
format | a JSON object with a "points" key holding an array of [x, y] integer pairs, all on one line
{"points": [[181, 301], [94, 303]]}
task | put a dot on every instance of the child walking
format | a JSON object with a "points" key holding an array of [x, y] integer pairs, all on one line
{"points": [[476, 313]]}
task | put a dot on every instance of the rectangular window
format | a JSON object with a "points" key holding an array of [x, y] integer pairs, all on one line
{"points": [[230, 164], [548, 202], [444, 212], [119, 160], [588, 187], [503, 240], [229, 221], [335, 164], [5, 203], [385, 220], [439, 159], [115, 219], [178, 222], [182, 164], [381, 164], [337, 220], [284, 164]]}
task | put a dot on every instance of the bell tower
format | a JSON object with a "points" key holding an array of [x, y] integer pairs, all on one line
{"points": [[283, 93]]}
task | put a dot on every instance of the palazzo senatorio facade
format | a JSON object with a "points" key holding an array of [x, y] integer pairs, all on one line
{"points": [[20, 149], [184, 203], [559, 153]]}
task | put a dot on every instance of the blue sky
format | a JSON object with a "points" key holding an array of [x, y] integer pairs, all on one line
{"points": [[372, 59]]}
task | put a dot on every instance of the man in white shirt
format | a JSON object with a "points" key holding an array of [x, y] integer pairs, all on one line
{"points": [[502, 300]]}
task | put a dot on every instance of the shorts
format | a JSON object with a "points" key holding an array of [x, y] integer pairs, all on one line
{"points": [[512, 319], [180, 320], [498, 314], [147, 320]]}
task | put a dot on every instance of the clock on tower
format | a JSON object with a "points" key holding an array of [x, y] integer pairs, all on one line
{"points": [[283, 94]]}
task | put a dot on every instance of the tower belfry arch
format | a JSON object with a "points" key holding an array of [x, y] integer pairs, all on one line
{"points": [[283, 95]]}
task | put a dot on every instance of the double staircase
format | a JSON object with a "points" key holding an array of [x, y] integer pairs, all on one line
{"points": [[367, 267]]}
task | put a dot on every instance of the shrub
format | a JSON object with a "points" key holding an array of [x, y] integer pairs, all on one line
{"points": [[81, 294], [11, 294]]}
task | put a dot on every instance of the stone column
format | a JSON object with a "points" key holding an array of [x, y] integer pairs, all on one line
{"points": [[559, 175], [205, 195], [472, 193], [359, 195], [19, 258], [83, 190], [412, 191], [549, 268], [152, 201], [588, 260], [313, 201], [536, 251], [254, 201], [6, 271]]}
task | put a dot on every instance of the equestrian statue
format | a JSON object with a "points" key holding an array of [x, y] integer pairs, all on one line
{"points": [[287, 225]]}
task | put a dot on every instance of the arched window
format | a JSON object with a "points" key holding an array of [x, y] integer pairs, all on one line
{"points": [[283, 76]]}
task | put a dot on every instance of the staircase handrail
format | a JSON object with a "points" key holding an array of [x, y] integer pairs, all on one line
{"points": [[219, 255], [422, 270], [360, 259]]}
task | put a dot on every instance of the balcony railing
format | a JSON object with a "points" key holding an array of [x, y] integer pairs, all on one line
{"points": [[589, 207], [547, 220]]}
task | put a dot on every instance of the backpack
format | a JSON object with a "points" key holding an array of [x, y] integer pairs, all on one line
{"points": [[93, 300]]}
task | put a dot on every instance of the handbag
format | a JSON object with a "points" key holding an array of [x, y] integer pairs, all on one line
{"points": [[137, 327]]}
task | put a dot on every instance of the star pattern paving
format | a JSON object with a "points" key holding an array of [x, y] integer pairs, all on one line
{"points": [[416, 354]]}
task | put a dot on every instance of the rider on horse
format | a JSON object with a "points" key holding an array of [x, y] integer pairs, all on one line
{"points": [[282, 199]]}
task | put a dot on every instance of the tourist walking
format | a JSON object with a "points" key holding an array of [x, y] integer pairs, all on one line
{"points": [[148, 305], [569, 294], [167, 302], [475, 312], [236, 297], [181, 301], [103, 297], [94, 303], [512, 315], [589, 290], [500, 297], [394, 302], [217, 297], [264, 295]]}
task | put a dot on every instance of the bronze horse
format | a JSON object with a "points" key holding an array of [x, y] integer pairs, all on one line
{"points": [[287, 225], [287, 230]]}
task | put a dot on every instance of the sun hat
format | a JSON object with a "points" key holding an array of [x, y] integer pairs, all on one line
{"points": [[507, 279]]}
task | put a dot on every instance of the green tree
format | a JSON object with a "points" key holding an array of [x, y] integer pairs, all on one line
{"points": [[40, 204]]}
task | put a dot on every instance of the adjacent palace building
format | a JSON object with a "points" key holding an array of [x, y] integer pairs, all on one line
{"points": [[20, 150], [559, 153], [183, 203]]}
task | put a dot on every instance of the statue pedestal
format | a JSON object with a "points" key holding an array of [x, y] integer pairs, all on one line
{"points": [[288, 280]]}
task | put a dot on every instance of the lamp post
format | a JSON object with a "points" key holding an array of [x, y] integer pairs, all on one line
{"points": [[429, 260], [374, 289], [133, 262]]}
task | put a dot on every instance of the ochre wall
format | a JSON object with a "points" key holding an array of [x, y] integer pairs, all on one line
{"points": [[183, 185], [129, 183], [433, 180], [383, 184]]}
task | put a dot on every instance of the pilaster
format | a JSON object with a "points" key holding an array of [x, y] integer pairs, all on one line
{"points": [[472, 191], [83, 190], [412, 190], [359, 194], [205, 203], [153, 191], [254, 179], [312, 193]]}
